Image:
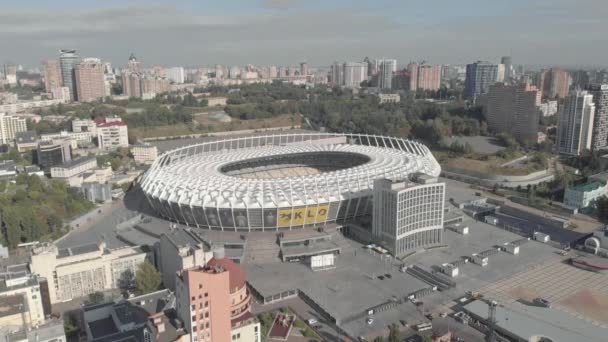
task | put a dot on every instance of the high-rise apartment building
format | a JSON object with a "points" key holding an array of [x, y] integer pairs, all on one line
{"points": [[131, 83], [575, 125], [509, 71], [408, 215], [599, 138], [52, 75], [214, 303], [90, 82], [554, 83], [337, 74], [387, 68], [9, 126], [273, 72], [304, 69], [176, 75], [512, 109], [153, 86], [479, 77], [424, 77], [354, 74], [133, 64], [68, 59]]}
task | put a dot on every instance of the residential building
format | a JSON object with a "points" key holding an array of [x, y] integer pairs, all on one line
{"points": [[133, 64], [599, 138], [10, 125], [112, 133], [214, 302], [424, 77], [10, 74], [51, 331], [73, 167], [408, 215], [337, 74], [79, 271], [8, 170], [26, 141], [84, 125], [387, 68], [68, 59], [500, 73], [143, 318], [152, 86], [509, 70], [575, 125], [90, 83], [273, 72], [554, 83], [479, 77], [27, 289], [304, 69], [178, 250], [23, 106], [52, 75], [54, 152], [144, 153], [61, 93], [512, 109], [584, 195], [548, 108], [8, 98], [389, 98], [354, 73], [175, 75]]}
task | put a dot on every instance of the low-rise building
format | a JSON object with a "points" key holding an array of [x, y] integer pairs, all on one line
{"points": [[548, 108], [26, 141], [10, 125], [23, 106], [26, 290], [84, 125], [96, 192], [79, 271], [389, 98], [76, 139], [178, 250], [585, 195], [144, 153], [8, 169], [50, 331], [73, 167]]}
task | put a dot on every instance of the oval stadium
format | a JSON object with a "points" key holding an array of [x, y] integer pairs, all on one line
{"points": [[279, 181]]}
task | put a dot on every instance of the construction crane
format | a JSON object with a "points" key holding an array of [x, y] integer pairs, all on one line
{"points": [[491, 335]]}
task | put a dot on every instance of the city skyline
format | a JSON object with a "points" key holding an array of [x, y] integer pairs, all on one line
{"points": [[288, 31]]}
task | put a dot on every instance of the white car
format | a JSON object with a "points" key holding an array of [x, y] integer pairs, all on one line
{"points": [[370, 320]]}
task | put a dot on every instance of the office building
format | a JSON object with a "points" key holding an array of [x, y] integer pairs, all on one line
{"points": [[181, 249], [84, 125], [90, 84], [77, 139], [584, 195], [176, 75], [79, 271], [26, 141], [54, 152], [214, 302], [144, 153], [512, 109], [599, 138], [554, 83], [52, 75], [424, 77], [68, 59], [509, 71], [354, 73], [479, 77], [112, 133], [408, 215], [575, 125], [9, 126], [387, 68]]}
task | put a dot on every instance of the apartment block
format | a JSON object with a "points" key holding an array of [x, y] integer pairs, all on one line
{"points": [[112, 133], [90, 83], [9, 126]]}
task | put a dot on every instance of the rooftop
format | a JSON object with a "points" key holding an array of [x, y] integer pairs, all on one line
{"points": [[75, 162], [526, 321], [589, 186]]}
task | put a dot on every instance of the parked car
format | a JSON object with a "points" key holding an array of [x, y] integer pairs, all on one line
{"points": [[542, 302]]}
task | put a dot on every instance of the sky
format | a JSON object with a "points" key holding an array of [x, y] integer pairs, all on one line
{"points": [[285, 32]]}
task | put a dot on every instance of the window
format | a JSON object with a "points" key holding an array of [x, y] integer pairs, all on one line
{"points": [[193, 307], [194, 318], [206, 294]]}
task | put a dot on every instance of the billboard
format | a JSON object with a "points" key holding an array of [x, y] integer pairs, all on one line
{"points": [[302, 216]]}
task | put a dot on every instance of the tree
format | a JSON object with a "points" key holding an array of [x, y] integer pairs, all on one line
{"points": [[379, 339], [126, 280], [70, 327], [96, 297], [394, 334], [147, 279]]}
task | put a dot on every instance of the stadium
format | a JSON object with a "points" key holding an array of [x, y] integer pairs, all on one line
{"points": [[280, 181]]}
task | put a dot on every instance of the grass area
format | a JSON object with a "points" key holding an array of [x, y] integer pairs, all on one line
{"points": [[494, 164]]}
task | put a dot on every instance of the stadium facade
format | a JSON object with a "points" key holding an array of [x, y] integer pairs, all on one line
{"points": [[280, 181]]}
